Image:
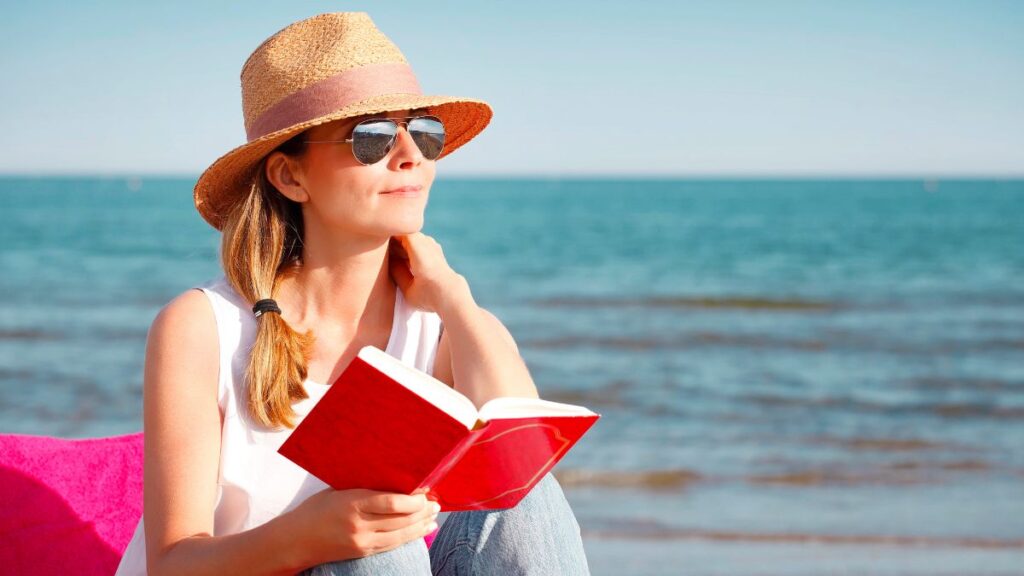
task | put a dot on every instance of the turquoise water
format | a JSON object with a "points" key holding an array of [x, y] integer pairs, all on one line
{"points": [[814, 372]]}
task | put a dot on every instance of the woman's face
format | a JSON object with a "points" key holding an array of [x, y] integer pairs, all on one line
{"points": [[338, 194]]}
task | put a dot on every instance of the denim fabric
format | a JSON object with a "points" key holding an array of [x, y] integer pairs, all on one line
{"points": [[540, 536]]}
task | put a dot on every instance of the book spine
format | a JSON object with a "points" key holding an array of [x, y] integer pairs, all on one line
{"points": [[453, 457]]}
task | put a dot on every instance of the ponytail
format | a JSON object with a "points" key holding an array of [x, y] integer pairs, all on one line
{"points": [[261, 246]]}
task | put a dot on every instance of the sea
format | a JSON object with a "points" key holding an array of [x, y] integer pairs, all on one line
{"points": [[795, 376]]}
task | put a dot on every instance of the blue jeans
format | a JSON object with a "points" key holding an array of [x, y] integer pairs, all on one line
{"points": [[540, 536]]}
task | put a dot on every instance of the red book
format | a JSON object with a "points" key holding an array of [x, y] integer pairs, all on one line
{"points": [[384, 425]]}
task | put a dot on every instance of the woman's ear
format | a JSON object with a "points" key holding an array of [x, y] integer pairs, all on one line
{"points": [[281, 172]]}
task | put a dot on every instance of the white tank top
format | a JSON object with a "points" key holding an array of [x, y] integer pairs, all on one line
{"points": [[255, 483]]}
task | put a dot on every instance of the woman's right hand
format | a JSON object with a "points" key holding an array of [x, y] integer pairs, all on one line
{"points": [[344, 524]]}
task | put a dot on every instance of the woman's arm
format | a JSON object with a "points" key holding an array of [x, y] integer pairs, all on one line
{"points": [[182, 452], [477, 355]]}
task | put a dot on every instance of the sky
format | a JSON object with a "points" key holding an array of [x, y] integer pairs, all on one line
{"points": [[638, 88]]}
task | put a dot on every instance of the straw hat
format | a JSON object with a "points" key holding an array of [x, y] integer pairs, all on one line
{"points": [[318, 70]]}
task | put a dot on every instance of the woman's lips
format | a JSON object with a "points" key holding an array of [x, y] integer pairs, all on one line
{"points": [[404, 191]]}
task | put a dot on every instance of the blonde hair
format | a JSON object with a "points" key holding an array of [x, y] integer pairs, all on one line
{"points": [[261, 246]]}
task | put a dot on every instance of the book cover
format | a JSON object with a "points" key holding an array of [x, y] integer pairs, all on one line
{"points": [[383, 425]]}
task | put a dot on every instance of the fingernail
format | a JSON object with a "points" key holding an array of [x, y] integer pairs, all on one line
{"points": [[432, 527], [435, 507]]}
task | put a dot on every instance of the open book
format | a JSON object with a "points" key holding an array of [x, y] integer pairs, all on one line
{"points": [[384, 425]]}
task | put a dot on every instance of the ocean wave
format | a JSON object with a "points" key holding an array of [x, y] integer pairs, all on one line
{"points": [[837, 342], [950, 410], [645, 479], [903, 472], [907, 472], [958, 383], [122, 334], [829, 477], [43, 335], [609, 394], [968, 465], [685, 341], [706, 302], [17, 376], [29, 335], [651, 530], [882, 444]]}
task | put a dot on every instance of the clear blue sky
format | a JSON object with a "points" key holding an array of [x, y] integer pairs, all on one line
{"points": [[578, 87]]}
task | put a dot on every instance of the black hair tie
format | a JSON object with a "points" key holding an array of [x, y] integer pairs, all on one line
{"points": [[265, 305]]}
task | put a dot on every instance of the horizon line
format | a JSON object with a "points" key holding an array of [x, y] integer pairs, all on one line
{"points": [[588, 175]]}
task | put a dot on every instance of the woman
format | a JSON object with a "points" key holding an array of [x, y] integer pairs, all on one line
{"points": [[320, 212]]}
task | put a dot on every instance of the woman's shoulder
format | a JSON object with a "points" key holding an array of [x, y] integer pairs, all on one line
{"points": [[187, 315], [182, 346], [190, 317]]}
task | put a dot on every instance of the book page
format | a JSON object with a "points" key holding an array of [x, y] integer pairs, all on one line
{"points": [[512, 407], [506, 458], [423, 385]]}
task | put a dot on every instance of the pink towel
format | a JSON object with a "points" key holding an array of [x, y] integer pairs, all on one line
{"points": [[68, 506]]}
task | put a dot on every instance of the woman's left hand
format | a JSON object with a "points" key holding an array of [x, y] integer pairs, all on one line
{"points": [[418, 266]]}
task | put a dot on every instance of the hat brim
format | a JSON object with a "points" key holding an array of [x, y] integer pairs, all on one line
{"points": [[230, 177]]}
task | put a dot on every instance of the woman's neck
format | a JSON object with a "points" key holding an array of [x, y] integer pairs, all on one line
{"points": [[343, 290]]}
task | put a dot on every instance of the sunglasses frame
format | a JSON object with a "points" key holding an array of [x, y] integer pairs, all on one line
{"points": [[398, 122]]}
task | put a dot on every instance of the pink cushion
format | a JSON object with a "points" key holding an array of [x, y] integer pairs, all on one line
{"points": [[63, 499], [68, 504]]}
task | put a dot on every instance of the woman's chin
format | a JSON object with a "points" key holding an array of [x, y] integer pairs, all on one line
{"points": [[408, 225]]}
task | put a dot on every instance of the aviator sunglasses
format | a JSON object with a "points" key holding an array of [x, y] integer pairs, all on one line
{"points": [[372, 139]]}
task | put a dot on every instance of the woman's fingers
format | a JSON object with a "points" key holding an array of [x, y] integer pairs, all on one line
{"points": [[395, 538], [390, 503], [392, 522]]}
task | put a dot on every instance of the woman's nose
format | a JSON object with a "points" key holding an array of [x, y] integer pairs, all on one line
{"points": [[406, 153]]}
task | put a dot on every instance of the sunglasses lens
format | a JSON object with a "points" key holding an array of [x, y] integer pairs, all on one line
{"points": [[428, 133], [372, 140]]}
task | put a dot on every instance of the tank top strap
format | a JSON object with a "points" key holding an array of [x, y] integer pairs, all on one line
{"points": [[415, 336], [235, 331]]}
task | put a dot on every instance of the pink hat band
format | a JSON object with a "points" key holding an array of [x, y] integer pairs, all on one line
{"points": [[334, 93]]}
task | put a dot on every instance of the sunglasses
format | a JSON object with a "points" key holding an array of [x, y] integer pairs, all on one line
{"points": [[373, 139]]}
